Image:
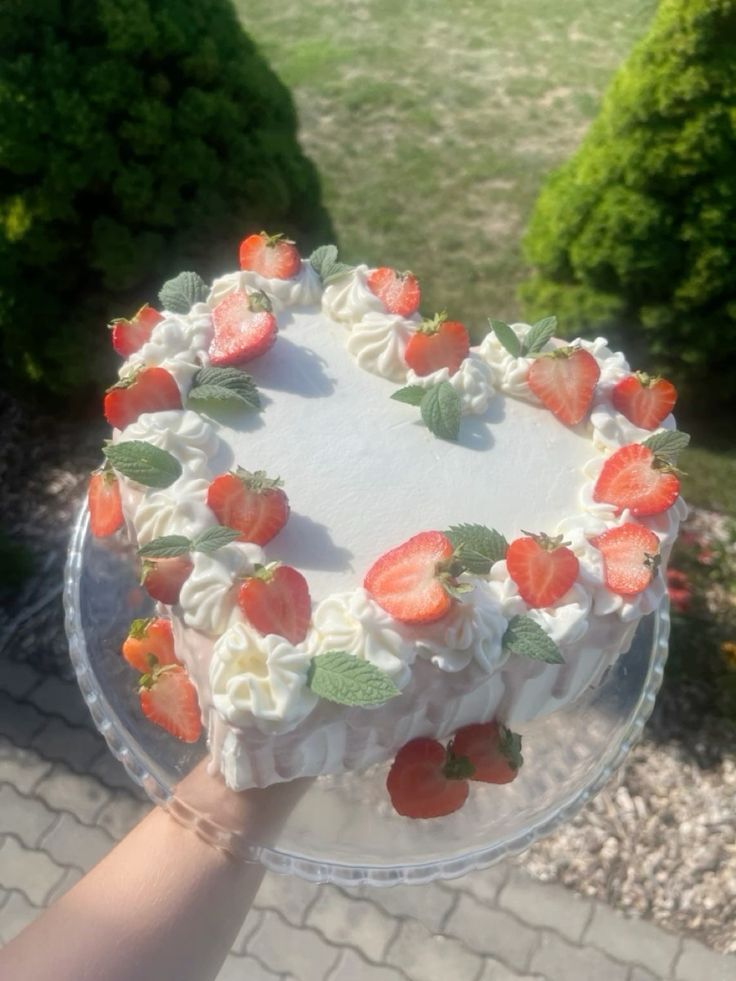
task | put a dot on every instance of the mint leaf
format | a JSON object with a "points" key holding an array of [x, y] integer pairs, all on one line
{"points": [[411, 394], [507, 337], [525, 636], [668, 442], [540, 333], [477, 547], [165, 547], [323, 258], [441, 410], [143, 462], [225, 385], [214, 538], [181, 293], [338, 270], [510, 746], [324, 262], [169, 546], [348, 680]]}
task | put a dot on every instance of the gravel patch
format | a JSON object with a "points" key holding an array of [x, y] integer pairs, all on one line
{"points": [[660, 840]]}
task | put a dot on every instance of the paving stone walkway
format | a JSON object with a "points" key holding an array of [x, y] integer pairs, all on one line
{"points": [[64, 802]]}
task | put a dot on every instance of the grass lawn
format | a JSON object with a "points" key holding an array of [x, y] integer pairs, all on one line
{"points": [[710, 477], [433, 125]]}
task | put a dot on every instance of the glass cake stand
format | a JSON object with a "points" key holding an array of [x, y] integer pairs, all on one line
{"points": [[343, 829]]}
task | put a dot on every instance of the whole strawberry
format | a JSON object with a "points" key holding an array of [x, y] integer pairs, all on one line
{"points": [[252, 503], [271, 256], [103, 502], [399, 292], [630, 558], [163, 578], [146, 390], [634, 477], [427, 781], [244, 328], [129, 336], [564, 380], [413, 582], [438, 343], [493, 750], [542, 567], [275, 600], [152, 637], [168, 699], [644, 400]]}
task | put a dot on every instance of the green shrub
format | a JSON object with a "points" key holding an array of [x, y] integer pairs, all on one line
{"points": [[136, 137], [637, 232]]}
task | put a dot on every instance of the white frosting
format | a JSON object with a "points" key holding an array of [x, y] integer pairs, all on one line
{"points": [[472, 631], [349, 299], [508, 373], [566, 621], [378, 341], [352, 622], [611, 429], [388, 477], [613, 364], [260, 681], [178, 343], [208, 598], [178, 510], [303, 289], [472, 382], [184, 434]]}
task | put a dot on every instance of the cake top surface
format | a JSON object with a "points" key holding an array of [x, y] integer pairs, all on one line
{"points": [[363, 473]]}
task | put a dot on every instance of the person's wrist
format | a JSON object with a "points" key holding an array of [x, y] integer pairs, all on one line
{"points": [[235, 821]]}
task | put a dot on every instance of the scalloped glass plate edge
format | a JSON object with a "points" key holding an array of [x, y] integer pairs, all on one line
{"points": [[283, 862]]}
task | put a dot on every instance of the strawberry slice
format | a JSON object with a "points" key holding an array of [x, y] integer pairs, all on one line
{"points": [[271, 256], [630, 558], [542, 567], [162, 579], [169, 699], [129, 336], [437, 343], [633, 477], [244, 328], [146, 390], [564, 381], [493, 750], [427, 781], [252, 503], [275, 600], [103, 502], [398, 292], [411, 581], [643, 399], [151, 637]]}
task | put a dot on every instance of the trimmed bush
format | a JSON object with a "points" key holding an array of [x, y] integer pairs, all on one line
{"points": [[138, 137], [637, 232]]}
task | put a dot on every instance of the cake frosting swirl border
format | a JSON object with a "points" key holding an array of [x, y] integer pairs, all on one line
{"points": [[591, 625]]}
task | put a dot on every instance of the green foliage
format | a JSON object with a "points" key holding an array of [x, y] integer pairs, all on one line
{"points": [[702, 584], [638, 230], [139, 137]]}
